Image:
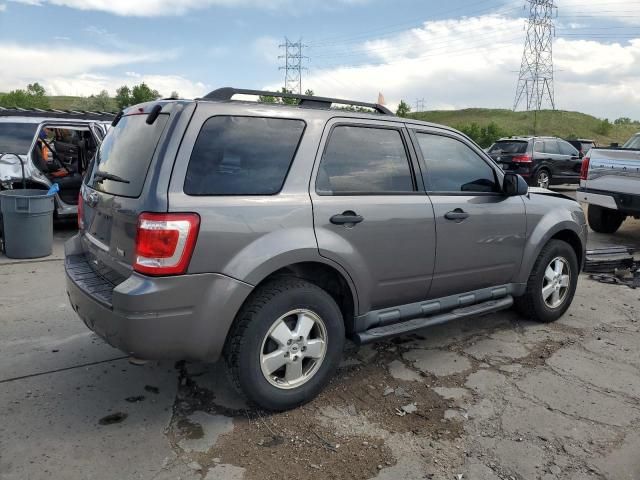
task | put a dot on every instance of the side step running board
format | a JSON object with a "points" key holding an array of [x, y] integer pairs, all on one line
{"points": [[389, 331]]}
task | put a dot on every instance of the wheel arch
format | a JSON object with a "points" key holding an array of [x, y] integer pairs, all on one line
{"points": [[567, 231], [331, 278]]}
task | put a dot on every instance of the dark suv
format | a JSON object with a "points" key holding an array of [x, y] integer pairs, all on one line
{"points": [[269, 233], [542, 161], [583, 145]]}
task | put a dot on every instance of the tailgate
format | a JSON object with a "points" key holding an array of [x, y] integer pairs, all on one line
{"points": [[115, 191], [614, 171]]}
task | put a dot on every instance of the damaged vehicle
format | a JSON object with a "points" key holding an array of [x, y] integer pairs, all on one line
{"points": [[41, 147], [267, 234]]}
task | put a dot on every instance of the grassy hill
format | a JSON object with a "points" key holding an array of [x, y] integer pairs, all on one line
{"points": [[69, 103], [555, 123]]}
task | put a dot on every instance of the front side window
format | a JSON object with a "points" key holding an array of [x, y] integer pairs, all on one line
{"points": [[568, 149], [364, 161], [242, 156], [454, 167]]}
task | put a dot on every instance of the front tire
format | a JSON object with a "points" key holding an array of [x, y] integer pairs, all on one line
{"points": [[285, 344], [551, 285], [604, 220]]}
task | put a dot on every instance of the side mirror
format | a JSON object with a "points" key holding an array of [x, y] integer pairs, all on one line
{"points": [[514, 185]]}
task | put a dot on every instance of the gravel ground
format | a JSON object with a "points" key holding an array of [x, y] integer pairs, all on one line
{"points": [[495, 397]]}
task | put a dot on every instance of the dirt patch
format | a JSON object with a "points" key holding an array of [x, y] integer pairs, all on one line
{"points": [[297, 443]]}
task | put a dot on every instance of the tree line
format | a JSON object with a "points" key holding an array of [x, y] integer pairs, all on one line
{"points": [[35, 96]]}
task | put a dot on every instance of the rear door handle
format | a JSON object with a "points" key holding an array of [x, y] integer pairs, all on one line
{"points": [[458, 214], [347, 218]]}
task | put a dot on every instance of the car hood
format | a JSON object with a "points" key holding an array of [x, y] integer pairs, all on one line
{"points": [[549, 193]]}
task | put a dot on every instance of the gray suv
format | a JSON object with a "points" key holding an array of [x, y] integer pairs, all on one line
{"points": [[266, 234]]}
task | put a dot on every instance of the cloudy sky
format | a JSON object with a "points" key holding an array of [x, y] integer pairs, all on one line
{"points": [[455, 54]]}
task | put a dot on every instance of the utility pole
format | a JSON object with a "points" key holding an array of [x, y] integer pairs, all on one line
{"points": [[420, 103], [293, 68], [535, 83]]}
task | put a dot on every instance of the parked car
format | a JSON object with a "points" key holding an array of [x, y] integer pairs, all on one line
{"points": [[583, 145], [49, 146], [610, 185], [267, 233], [542, 161]]}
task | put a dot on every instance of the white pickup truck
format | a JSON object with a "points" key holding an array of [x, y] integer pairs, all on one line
{"points": [[610, 184]]}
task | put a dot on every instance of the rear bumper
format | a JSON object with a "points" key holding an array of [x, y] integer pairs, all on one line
{"points": [[182, 317], [624, 202]]}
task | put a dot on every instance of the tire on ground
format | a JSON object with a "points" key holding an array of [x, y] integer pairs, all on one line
{"points": [[532, 305], [245, 341]]}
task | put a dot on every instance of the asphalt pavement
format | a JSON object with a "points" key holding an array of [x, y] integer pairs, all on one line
{"points": [[490, 398]]}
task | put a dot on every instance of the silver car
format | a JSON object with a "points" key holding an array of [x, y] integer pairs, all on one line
{"points": [[39, 148], [266, 234]]}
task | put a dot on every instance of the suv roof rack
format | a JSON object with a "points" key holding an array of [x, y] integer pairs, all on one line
{"points": [[53, 113], [227, 93]]}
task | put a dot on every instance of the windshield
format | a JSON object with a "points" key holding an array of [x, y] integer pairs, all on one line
{"points": [[633, 143], [17, 137], [509, 147], [126, 152]]}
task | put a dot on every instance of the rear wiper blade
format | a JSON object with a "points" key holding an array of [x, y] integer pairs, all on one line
{"points": [[100, 176]]}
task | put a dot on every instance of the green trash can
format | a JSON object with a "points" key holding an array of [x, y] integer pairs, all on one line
{"points": [[27, 221]]}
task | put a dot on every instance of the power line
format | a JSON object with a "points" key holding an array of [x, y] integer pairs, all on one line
{"points": [[420, 103], [293, 68], [535, 82]]}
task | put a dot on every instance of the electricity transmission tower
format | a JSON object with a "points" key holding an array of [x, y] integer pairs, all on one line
{"points": [[535, 84], [420, 105], [293, 68]]}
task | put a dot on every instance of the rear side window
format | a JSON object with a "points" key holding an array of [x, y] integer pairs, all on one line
{"points": [[17, 137], [364, 161], [454, 167], [551, 146], [509, 147], [242, 156], [126, 152]]}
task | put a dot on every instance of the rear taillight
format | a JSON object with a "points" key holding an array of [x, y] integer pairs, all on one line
{"points": [[165, 242], [584, 170], [522, 159], [80, 211]]}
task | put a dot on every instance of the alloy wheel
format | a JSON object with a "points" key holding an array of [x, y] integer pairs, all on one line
{"points": [[556, 282], [543, 179], [293, 349]]}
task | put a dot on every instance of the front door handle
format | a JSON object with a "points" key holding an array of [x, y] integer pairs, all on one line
{"points": [[347, 218], [458, 214]]}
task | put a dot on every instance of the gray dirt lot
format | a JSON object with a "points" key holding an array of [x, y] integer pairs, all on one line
{"points": [[490, 398]]}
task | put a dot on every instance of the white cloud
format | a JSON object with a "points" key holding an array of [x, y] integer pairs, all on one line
{"points": [[79, 74], [621, 11], [3, 7], [474, 62], [87, 84], [153, 8], [268, 48]]}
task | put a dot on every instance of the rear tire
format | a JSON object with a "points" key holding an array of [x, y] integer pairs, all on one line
{"points": [[604, 220], [542, 178], [551, 285], [285, 344]]}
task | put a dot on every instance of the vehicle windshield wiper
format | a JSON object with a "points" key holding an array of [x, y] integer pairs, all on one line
{"points": [[100, 176]]}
